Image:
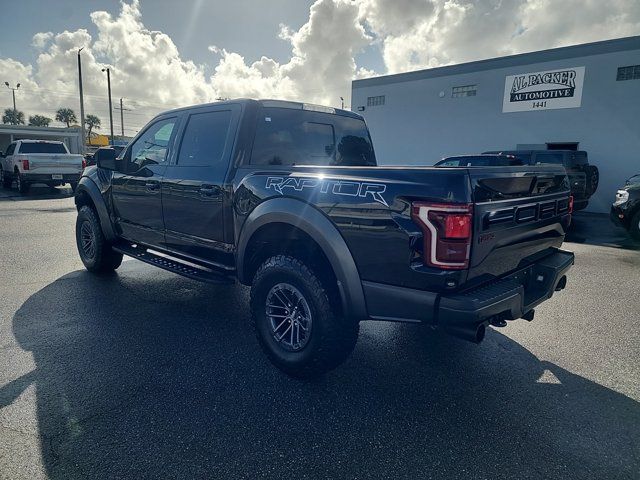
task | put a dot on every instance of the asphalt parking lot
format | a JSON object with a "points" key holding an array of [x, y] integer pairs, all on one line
{"points": [[144, 374]]}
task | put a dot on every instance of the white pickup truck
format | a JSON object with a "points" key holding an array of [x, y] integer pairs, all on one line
{"points": [[39, 161]]}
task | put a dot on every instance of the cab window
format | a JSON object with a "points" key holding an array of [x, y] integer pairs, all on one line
{"points": [[152, 147], [204, 139], [287, 136]]}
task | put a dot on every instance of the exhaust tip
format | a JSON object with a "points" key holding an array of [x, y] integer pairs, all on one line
{"points": [[561, 283]]}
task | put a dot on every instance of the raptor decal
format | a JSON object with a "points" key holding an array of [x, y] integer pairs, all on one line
{"points": [[336, 187]]}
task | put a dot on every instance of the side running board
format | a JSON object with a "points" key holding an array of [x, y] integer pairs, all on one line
{"points": [[179, 267]]}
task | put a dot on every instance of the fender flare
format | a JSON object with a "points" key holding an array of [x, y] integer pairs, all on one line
{"points": [[315, 224], [88, 187]]}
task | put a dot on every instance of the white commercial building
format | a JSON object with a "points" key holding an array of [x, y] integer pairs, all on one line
{"points": [[583, 97], [70, 136]]}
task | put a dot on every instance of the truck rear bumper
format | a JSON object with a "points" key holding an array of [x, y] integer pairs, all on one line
{"points": [[513, 296], [49, 178], [466, 314]]}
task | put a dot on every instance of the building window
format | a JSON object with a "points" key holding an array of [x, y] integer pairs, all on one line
{"points": [[464, 91], [375, 101], [632, 72]]}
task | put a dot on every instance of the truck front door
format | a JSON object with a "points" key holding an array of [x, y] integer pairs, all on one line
{"points": [[136, 186]]}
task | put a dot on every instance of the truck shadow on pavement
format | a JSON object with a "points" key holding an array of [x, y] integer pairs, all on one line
{"points": [[37, 192], [143, 374]]}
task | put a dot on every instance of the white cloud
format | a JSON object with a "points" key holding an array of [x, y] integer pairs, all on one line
{"points": [[428, 33], [149, 72], [40, 39]]}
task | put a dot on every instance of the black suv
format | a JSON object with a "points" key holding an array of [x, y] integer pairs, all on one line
{"points": [[583, 177], [287, 197]]}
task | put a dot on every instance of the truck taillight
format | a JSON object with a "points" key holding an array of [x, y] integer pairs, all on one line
{"points": [[570, 204], [25, 164], [447, 229]]}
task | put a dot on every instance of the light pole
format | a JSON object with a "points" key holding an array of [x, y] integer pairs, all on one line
{"points": [[110, 107], [13, 90], [122, 109], [82, 141], [342, 102]]}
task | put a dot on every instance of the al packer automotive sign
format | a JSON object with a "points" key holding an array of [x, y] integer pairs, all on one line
{"points": [[543, 90]]}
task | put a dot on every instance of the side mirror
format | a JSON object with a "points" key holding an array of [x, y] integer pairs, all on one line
{"points": [[105, 158]]}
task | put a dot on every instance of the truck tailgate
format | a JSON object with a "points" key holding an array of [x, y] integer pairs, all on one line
{"points": [[520, 213], [54, 163]]}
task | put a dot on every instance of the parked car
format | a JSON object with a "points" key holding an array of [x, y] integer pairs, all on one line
{"points": [[91, 159], [625, 211], [583, 177], [288, 198], [39, 161], [483, 160]]}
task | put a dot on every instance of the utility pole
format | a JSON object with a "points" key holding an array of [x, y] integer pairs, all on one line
{"points": [[13, 90], [122, 109], [83, 141], [110, 106]]}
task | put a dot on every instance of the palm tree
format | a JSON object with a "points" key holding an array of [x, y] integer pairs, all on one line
{"points": [[92, 122], [14, 117], [66, 115], [39, 121]]}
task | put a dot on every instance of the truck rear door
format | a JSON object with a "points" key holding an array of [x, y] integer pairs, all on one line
{"points": [[520, 213]]}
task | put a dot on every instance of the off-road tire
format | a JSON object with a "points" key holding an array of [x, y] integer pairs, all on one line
{"points": [[21, 184], [332, 338], [634, 228], [102, 258], [593, 179]]}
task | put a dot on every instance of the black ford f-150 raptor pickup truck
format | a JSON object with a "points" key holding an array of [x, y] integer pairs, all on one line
{"points": [[287, 198]]}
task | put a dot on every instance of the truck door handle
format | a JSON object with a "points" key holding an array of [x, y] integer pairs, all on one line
{"points": [[152, 186], [209, 190]]}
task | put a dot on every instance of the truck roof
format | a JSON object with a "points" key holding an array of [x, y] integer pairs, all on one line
{"points": [[515, 152], [26, 140], [272, 103]]}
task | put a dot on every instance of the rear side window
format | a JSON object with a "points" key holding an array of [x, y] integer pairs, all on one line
{"points": [[286, 136], [557, 158], [204, 138], [10, 149], [42, 148]]}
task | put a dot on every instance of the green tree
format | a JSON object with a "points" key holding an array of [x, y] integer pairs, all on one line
{"points": [[66, 115], [39, 121], [13, 117], [92, 122]]}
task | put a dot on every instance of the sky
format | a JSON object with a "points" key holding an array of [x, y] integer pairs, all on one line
{"points": [[168, 53]]}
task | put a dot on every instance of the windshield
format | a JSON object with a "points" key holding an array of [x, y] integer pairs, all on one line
{"points": [[634, 179], [42, 147]]}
